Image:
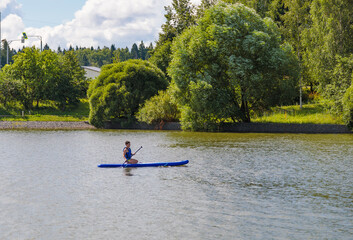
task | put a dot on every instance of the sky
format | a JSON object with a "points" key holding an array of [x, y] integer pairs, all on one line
{"points": [[82, 23]]}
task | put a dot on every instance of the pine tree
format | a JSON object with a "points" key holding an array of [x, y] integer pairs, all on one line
{"points": [[135, 51], [46, 47], [142, 51]]}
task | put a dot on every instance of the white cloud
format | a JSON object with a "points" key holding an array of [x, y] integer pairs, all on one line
{"points": [[9, 6], [11, 26], [97, 23], [11, 22]]}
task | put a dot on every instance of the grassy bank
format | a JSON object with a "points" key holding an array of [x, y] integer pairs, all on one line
{"points": [[310, 113], [46, 111]]}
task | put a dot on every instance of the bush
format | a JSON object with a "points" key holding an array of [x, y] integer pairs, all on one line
{"points": [[348, 107], [121, 88], [9, 89], [159, 108]]}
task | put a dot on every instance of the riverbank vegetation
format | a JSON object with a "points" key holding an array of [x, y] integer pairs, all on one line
{"points": [[220, 61], [121, 88], [45, 111], [314, 113], [42, 76]]}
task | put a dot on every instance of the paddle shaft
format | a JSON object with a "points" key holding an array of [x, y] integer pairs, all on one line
{"points": [[138, 150]]}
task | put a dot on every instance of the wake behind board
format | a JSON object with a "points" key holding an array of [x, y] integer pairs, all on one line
{"points": [[157, 164]]}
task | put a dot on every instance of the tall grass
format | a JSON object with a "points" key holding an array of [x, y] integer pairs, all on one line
{"points": [[310, 113]]}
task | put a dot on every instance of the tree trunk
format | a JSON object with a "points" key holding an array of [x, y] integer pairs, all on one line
{"points": [[245, 109]]}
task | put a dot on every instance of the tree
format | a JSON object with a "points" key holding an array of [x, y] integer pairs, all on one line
{"points": [[328, 42], [149, 50], [230, 64], [295, 21], [135, 51], [179, 16], [204, 5], [121, 55], [9, 89], [51, 72], [46, 47], [162, 56], [142, 51], [341, 78], [26, 68], [72, 84], [261, 6], [265, 8], [120, 89], [348, 106], [46, 76]]}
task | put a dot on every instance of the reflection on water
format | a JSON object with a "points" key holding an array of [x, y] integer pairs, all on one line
{"points": [[236, 186], [127, 172]]}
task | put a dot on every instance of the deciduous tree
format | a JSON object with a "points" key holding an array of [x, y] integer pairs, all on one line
{"points": [[233, 62], [120, 89]]}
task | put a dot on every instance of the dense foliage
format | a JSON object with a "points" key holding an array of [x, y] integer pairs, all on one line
{"points": [[159, 108], [348, 107], [36, 76], [121, 88], [230, 64], [318, 32]]}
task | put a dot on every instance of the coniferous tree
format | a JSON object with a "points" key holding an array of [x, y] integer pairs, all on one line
{"points": [[142, 50], [46, 47], [135, 52]]}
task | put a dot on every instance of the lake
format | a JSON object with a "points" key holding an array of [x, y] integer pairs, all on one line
{"points": [[236, 186]]}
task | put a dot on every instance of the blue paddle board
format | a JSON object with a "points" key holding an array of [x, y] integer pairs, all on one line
{"points": [[158, 164]]}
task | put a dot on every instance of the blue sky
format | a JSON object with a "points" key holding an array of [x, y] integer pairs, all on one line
{"points": [[40, 13], [83, 23]]}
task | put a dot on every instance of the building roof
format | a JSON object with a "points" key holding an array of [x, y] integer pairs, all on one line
{"points": [[95, 69]]}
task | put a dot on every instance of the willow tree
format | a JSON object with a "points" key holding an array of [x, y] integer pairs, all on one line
{"points": [[231, 64]]}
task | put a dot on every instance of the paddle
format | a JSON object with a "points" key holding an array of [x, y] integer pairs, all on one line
{"points": [[138, 150]]}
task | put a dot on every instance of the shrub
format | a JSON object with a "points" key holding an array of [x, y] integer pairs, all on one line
{"points": [[121, 88], [159, 108]]}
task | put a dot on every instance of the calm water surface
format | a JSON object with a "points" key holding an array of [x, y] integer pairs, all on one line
{"points": [[236, 186]]}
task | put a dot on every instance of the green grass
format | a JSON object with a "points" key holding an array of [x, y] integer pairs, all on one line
{"points": [[46, 111], [310, 113]]}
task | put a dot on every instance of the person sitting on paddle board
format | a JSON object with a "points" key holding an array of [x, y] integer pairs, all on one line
{"points": [[127, 154]]}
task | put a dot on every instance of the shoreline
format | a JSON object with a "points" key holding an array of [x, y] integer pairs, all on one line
{"points": [[45, 125], [175, 126]]}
